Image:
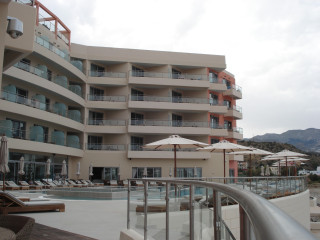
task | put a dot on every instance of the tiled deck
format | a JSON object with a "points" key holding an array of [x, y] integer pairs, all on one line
{"points": [[43, 232]]}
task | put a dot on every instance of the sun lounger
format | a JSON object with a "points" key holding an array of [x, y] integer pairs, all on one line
{"points": [[34, 187], [10, 204], [11, 185], [42, 185], [49, 183], [88, 184], [113, 183], [72, 183]]}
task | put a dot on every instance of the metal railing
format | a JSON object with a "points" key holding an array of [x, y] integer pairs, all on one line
{"points": [[185, 76], [52, 48], [107, 74], [43, 138], [167, 123], [44, 74], [107, 98], [169, 99], [106, 147], [16, 98], [192, 209], [236, 108], [104, 122]]}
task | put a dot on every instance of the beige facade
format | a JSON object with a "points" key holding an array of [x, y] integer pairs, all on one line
{"points": [[99, 105]]}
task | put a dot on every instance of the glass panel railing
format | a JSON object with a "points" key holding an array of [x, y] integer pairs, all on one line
{"points": [[52, 48], [106, 147], [108, 74], [103, 122], [166, 123], [107, 98]]}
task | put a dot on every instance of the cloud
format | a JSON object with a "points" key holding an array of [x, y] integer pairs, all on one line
{"points": [[271, 46]]}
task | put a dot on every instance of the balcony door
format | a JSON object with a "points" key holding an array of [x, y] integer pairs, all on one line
{"points": [[95, 118], [214, 122], [213, 99], [137, 119], [176, 120], [136, 95], [94, 142], [18, 129], [136, 143], [96, 94]]}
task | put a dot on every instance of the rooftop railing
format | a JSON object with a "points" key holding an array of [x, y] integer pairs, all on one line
{"points": [[192, 208]]}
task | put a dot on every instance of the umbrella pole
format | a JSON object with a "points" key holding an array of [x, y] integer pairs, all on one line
{"points": [[279, 170], [224, 165], [175, 161], [250, 166], [4, 186], [287, 166]]}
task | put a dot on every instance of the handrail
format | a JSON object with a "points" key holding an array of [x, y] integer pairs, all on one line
{"points": [[266, 221]]}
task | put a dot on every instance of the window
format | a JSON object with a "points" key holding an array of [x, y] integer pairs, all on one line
{"points": [[22, 96], [136, 95], [189, 172], [96, 94], [24, 64], [213, 99], [136, 143], [95, 118], [97, 71], [214, 122], [48, 104], [227, 103], [137, 72], [176, 97], [214, 140], [18, 129], [111, 173], [228, 125], [137, 119], [176, 120], [213, 78], [176, 74], [152, 172], [94, 142], [228, 83]]}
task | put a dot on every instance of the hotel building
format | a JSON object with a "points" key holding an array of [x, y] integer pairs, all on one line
{"points": [[99, 105]]}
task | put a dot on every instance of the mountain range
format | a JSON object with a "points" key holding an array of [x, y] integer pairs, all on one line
{"points": [[307, 140]]}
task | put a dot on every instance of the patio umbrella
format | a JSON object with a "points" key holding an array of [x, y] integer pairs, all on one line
{"points": [[285, 154], [224, 146], [254, 152], [90, 170], [64, 169], [267, 170], [48, 165], [145, 172], [170, 172], [262, 171], [175, 142], [195, 173], [4, 168], [78, 170], [21, 166]]}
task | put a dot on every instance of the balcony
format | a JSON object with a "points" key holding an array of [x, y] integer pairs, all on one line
{"points": [[105, 147], [46, 49], [217, 85], [46, 143], [218, 130], [168, 79], [106, 126], [234, 91], [107, 78], [107, 102], [53, 84], [218, 107], [234, 112], [151, 126], [235, 133], [169, 103], [35, 109], [136, 151]]}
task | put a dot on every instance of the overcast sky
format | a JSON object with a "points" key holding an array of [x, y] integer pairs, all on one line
{"points": [[272, 47]]}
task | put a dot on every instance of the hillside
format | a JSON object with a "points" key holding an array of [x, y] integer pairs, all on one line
{"points": [[307, 140], [277, 147]]}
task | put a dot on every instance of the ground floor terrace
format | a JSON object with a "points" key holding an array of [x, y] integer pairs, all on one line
{"points": [[105, 219]]}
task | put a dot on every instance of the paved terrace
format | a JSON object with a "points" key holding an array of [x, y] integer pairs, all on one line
{"points": [[98, 219]]}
